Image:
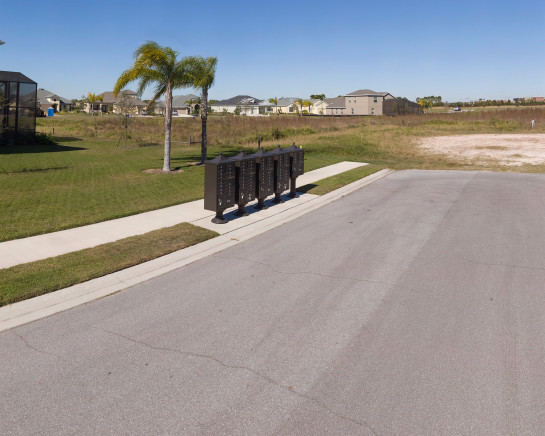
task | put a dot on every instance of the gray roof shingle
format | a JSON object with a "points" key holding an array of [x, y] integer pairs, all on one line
{"points": [[365, 92]]}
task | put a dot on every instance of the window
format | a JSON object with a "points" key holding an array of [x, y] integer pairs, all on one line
{"points": [[290, 109], [352, 111], [354, 99], [349, 100], [372, 111], [374, 99]]}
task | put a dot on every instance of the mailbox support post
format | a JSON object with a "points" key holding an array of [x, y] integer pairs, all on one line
{"points": [[219, 218]]}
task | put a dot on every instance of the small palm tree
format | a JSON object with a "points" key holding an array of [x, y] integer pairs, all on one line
{"points": [[299, 105], [307, 104], [274, 101], [203, 74], [156, 64], [92, 98]]}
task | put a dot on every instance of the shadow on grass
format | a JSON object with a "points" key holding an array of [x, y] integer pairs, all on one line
{"points": [[67, 138], [306, 188], [19, 149]]}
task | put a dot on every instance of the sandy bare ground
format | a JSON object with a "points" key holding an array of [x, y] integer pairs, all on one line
{"points": [[503, 149]]}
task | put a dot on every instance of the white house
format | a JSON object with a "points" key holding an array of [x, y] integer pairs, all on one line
{"points": [[243, 105]]}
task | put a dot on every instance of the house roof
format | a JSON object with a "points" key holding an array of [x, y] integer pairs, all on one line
{"points": [[244, 100], [43, 94], [12, 76], [365, 92], [108, 97], [335, 103], [178, 101], [286, 101]]}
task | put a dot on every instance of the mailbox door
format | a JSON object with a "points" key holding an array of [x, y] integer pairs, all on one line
{"points": [[282, 173], [297, 164], [225, 185], [245, 189], [250, 180]]}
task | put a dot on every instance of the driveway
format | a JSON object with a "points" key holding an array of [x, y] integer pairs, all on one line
{"points": [[415, 305]]}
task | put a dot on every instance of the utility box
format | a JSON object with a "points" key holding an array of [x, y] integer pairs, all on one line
{"points": [[281, 172], [245, 185], [219, 186], [297, 166], [264, 177]]}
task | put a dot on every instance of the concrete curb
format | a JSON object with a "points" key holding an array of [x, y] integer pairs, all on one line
{"points": [[46, 305]]}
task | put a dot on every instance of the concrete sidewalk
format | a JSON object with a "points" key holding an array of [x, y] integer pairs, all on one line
{"points": [[39, 247]]}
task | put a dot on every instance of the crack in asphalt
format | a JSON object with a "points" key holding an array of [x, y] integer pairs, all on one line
{"points": [[32, 347], [243, 368]]}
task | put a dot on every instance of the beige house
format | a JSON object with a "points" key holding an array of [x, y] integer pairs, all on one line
{"points": [[125, 102], [319, 107], [365, 102], [47, 99], [334, 106]]}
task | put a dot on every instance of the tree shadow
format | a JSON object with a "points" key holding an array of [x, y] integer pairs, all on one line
{"points": [[34, 148], [67, 139]]}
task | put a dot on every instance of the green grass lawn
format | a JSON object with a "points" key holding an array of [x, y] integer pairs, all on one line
{"points": [[36, 278]]}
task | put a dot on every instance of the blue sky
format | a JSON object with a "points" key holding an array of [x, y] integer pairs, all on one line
{"points": [[461, 50]]}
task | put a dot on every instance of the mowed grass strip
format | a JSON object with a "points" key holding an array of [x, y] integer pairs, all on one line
{"points": [[36, 278], [329, 184]]}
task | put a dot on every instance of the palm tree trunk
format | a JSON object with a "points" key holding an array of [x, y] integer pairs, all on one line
{"points": [[204, 115], [168, 126]]}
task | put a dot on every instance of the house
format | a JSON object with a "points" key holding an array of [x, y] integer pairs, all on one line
{"points": [[243, 105], [365, 102], [319, 107], [334, 106], [47, 99], [286, 105], [179, 103], [126, 102], [292, 105]]}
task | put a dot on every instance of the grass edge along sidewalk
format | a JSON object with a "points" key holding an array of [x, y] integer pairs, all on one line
{"points": [[31, 279]]}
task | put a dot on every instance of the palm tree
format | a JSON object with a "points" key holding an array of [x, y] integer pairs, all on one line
{"points": [[298, 104], [203, 72], [92, 98], [156, 64], [307, 104], [274, 101]]}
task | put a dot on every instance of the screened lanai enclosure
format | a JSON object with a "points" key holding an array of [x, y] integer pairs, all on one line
{"points": [[17, 107]]}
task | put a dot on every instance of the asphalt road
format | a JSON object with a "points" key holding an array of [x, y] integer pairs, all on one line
{"points": [[414, 306]]}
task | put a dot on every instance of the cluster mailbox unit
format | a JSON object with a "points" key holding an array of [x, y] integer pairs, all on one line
{"points": [[242, 179]]}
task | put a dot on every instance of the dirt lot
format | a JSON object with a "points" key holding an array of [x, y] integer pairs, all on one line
{"points": [[504, 149]]}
